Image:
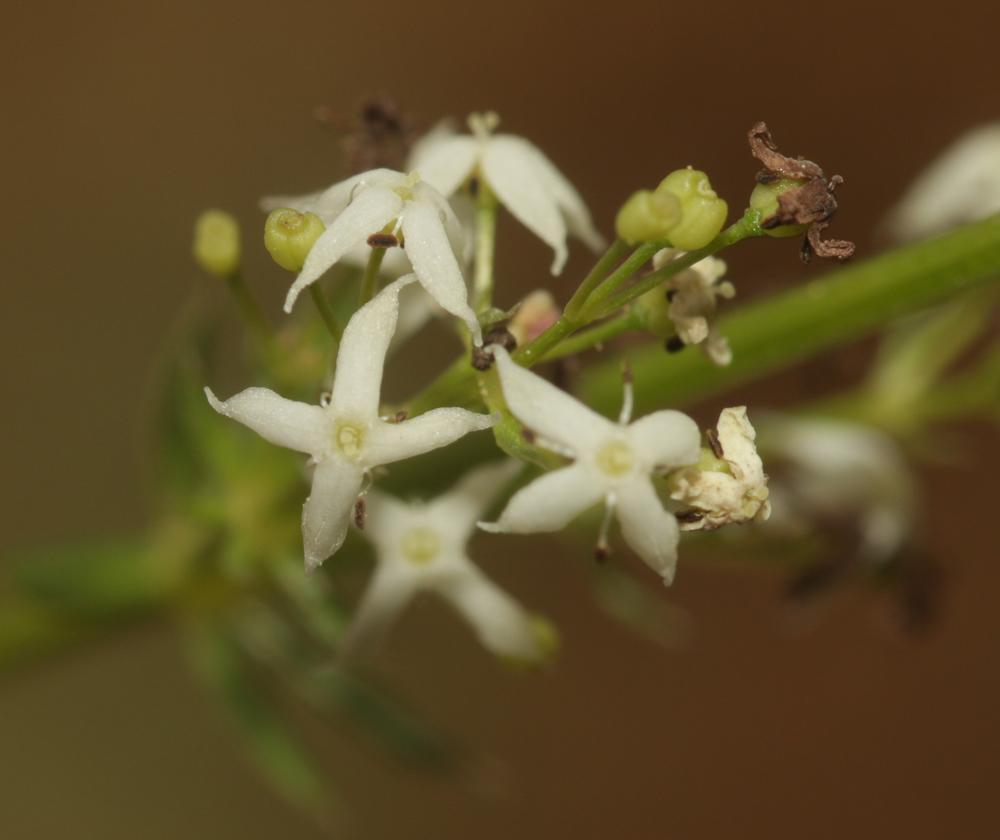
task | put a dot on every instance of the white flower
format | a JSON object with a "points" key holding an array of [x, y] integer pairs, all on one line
{"points": [[346, 438], [422, 547], [613, 462], [363, 205], [693, 295], [962, 185], [525, 181], [731, 492], [842, 471]]}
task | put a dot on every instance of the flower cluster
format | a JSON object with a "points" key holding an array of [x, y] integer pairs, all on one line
{"points": [[414, 229]]}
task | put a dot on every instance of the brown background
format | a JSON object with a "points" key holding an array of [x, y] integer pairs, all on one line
{"points": [[122, 120]]}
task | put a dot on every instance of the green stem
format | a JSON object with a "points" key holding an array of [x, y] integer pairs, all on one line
{"points": [[369, 280], [611, 257], [486, 229], [326, 313], [594, 336], [780, 331], [251, 312], [605, 301]]}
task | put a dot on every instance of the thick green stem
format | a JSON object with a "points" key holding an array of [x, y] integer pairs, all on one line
{"points": [[780, 331], [486, 229], [326, 313], [594, 336]]}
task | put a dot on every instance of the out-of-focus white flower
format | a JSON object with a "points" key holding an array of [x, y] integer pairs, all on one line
{"points": [[421, 546], [364, 205], [345, 437], [841, 471], [694, 294], [525, 181], [733, 489], [961, 185], [613, 462]]}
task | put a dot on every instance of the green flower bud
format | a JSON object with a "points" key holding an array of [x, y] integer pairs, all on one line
{"points": [[652, 311], [289, 236], [647, 217], [703, 213], [216, 245], [764, 199]]}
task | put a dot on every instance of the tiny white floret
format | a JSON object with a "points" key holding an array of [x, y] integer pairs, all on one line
{"points": [[367, 203], [524, 180], [421, 546], [346, 437], [613, 463]]}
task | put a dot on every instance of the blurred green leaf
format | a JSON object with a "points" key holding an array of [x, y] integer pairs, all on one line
{"points": [[267, 737]]}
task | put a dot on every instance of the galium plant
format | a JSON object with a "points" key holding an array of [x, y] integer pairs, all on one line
{"points": [[511, 437]]}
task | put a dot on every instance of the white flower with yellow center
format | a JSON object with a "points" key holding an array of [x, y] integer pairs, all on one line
{"points": [[730, 489], [420, 217], [421, 547], [613, 462], [346, 437], [694, 294], [524, 180]]}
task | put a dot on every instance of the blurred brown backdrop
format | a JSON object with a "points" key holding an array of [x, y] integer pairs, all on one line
{"points": [[121, 121]]}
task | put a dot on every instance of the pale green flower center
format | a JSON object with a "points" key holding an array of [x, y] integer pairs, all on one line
{"points": [[421, 546], [349, 440], [615, 459], [405, 190]]}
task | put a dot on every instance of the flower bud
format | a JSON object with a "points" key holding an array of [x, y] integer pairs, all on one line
{"points": [[647, 217], [536, 313], [764, 199], [289, 236], [216, 245], [703, 213]]}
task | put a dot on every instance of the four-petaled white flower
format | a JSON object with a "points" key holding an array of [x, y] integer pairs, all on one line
{"points": [[346, 438], [612, 461], [961, 185], [364, 205], [525, 181], [693, 295], [732, 491], [421, 546]]}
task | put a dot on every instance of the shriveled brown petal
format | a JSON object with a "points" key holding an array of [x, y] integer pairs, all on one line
{"points": [[763, 147]]}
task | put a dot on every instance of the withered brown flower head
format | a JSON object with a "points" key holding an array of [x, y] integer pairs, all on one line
{"points": [[378, 135], [812, 203]]}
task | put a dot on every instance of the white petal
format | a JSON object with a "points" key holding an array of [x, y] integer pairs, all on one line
{"points": [[457, 511], [369, 212], [327, 512], [574, 210], [549, 503], [650, 531], [386, 519], [390, 442], [388, 592], [548, 410], [666, 439], [460, 231], [357, 382], [509, 167], [288, 423], [434, 262], [500, 623], [416, 308], [446, 162], [308, 203]]}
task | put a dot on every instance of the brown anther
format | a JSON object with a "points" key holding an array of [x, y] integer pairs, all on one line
{"points": [[400, 416], [671, 294], [627, 377], [529, 435], [713, 441], [674, 344], [811, 203], [502, 336], [601, 553], [382, 240], [360, 511], [689, 516]]}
